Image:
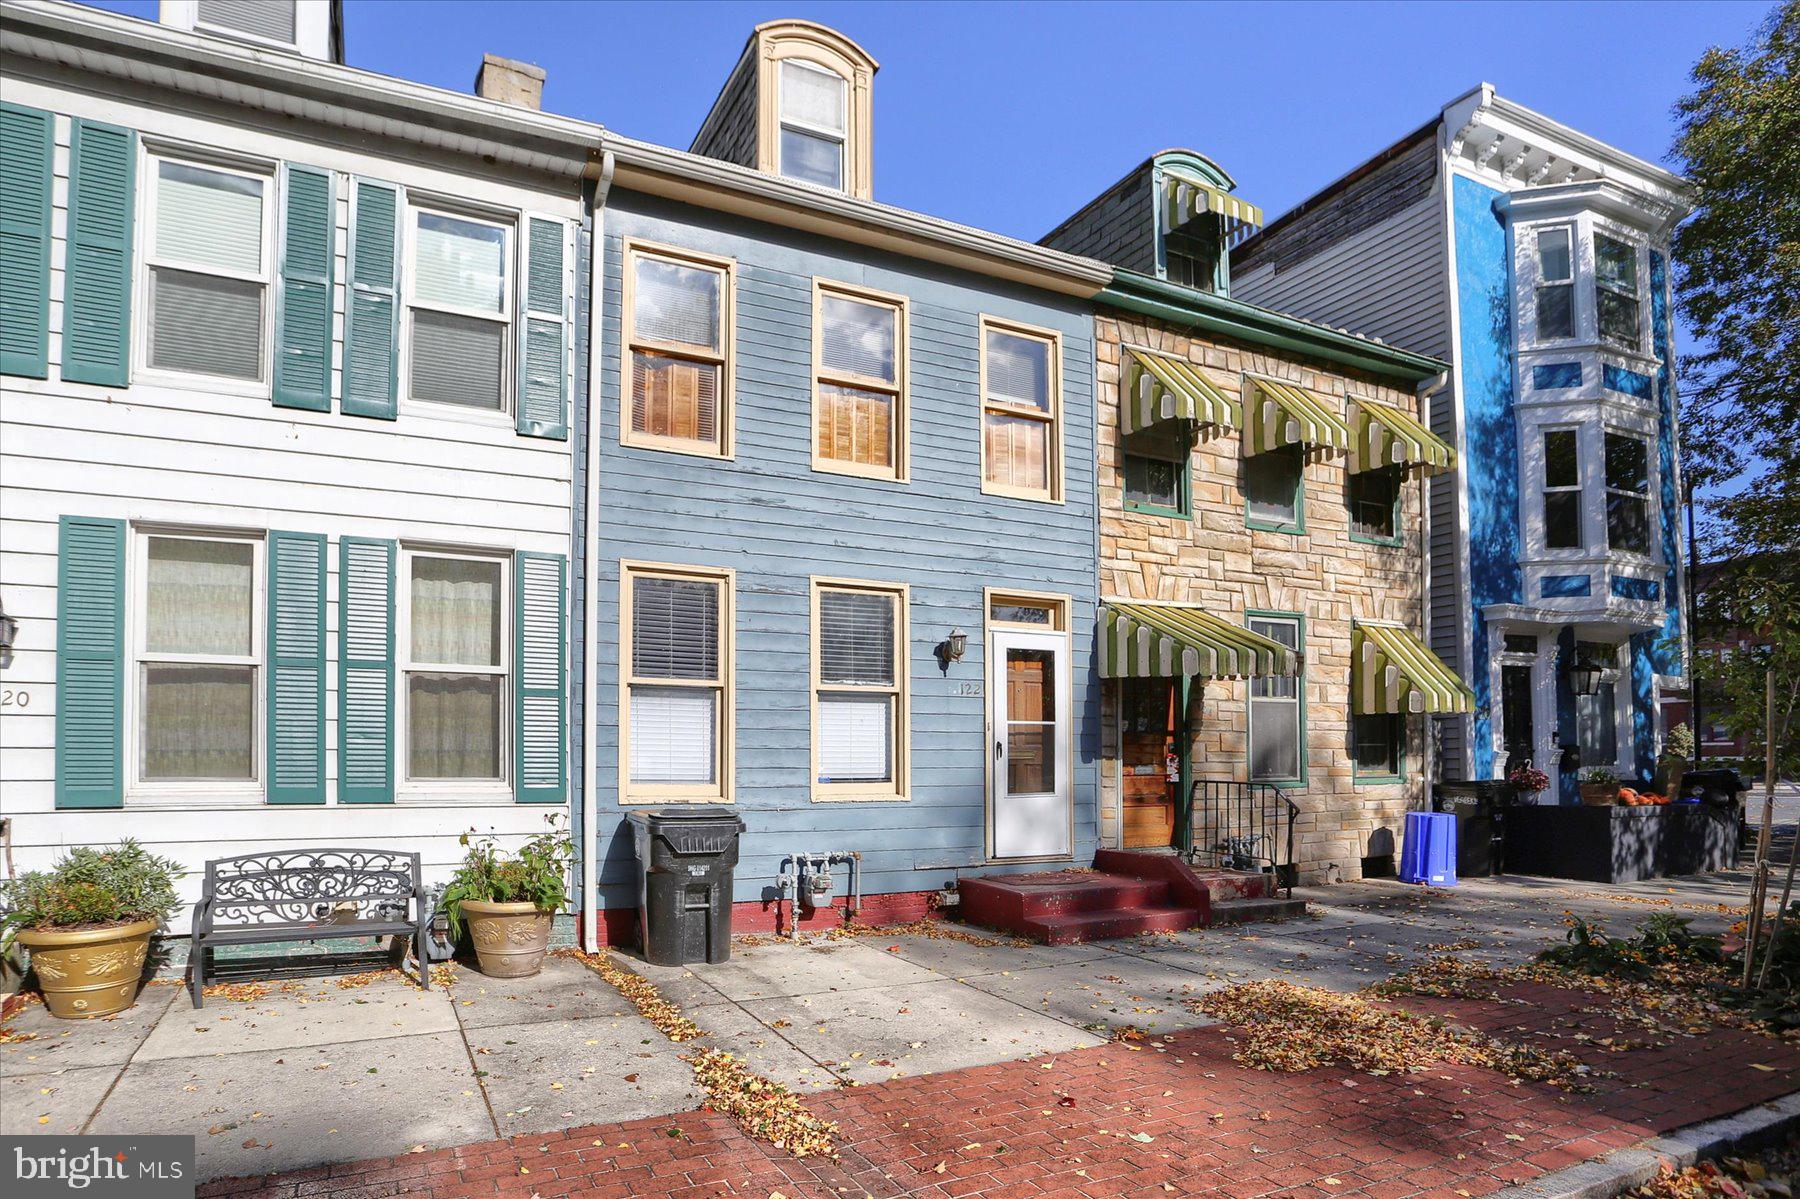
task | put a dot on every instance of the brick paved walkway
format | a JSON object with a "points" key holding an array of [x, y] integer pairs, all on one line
{"points": [[1066, 1126]]}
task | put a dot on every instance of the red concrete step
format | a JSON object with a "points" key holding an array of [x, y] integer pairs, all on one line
{"points": [[1007, 901], [1237, 884], [1072, 927]]}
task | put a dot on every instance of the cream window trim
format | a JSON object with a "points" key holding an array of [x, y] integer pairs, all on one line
{"points": [[636, 250], [1054, 494], [830, 52], [900, 691], [901, 425], [723, 787], [1054, 602]]}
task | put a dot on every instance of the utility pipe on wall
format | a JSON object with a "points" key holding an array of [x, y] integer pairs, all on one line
{"points": [[590, 840]]}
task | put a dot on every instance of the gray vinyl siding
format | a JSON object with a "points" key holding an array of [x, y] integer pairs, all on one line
{"points": [[1118, 227], [1445, 616], [729, 132], [767, 515]]}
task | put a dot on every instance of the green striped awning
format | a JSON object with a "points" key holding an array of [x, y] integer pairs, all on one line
{"points": [[1391, 670], [1185, 197], [1383, 435], [1147, 641], [1161, 387], [1283, 414]]}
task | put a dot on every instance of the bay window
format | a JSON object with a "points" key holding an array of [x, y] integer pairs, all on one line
{"points": [[1616, 295], [207, 269], [455, 667], [459, 311], [677, 693], [1277, 752], [859, 391], [1562, 489], [1021, 403], [198, 654], [1627, 493], [1555, 290], [859, 690], [813, 124], [678, 351]]}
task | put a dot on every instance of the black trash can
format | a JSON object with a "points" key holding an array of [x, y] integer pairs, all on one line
{"points": [[685, 860], [1479, 808]]}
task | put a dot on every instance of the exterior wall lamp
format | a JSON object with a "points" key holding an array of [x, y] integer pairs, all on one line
{"points": [[9, 628], [951, 648], [1584, 675]]}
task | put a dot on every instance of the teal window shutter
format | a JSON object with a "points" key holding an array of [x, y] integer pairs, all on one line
{"points": [[303, 299], [27, 143], [295, 694], [96, 342], [366, 665], [544, 331], [372, 306], [540, 708], [90, 663]]}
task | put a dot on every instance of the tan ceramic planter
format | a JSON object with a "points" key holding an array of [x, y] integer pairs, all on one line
{"points": [[510, 938], [89, 972], [1600, 795]]}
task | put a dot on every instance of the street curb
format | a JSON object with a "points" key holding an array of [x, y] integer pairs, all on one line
{"points": [[1623, 1169]]}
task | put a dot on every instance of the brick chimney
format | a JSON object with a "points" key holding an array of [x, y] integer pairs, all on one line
{"points": [[510, 81]]}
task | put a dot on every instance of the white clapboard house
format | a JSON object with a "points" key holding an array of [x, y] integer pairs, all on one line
{"points": [[287, 355]]}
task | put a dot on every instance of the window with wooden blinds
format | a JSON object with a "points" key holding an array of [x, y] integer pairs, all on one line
{"points": [[678, 351], [859, 388]]}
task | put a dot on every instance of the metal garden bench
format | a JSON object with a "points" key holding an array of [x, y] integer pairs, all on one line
{"points": [[307, 895]]}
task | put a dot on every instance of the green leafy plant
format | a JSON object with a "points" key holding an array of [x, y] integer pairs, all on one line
{"points": [[90, 887], [1680, 741], [535, 874], [1662, 940], [1599, 776]]}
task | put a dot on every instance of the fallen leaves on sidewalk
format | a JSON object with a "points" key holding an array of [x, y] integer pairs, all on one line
{"points": [[10, 1008], [763, 1108], [931, 930], [1292, 1028], [1770, 1174], [642, 993]]}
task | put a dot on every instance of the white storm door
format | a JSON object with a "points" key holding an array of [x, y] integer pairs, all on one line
{"points": [[1031, 808]]}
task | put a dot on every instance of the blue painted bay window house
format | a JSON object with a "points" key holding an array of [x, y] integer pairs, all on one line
{"points": [[285, 474], [839, 478], [1536, 259]]}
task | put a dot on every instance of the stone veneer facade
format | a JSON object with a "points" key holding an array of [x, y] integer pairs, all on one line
{"points": [[1216, 561]]}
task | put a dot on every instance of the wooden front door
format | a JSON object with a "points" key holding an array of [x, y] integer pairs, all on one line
{"points": [[1146, 743]]}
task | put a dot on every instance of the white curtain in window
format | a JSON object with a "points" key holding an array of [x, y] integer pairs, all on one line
{"points": [[855, 738], [1018, 370], [456, 611], [453, 726], [858, 337], [458, 359], [676, 303], [199, 722], [812, 96], [459, 263], [672, 734], [208, 218], [199, 597], [205, 324]]}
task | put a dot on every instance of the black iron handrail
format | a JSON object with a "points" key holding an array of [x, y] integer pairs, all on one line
{"points": [[1244, 826]]}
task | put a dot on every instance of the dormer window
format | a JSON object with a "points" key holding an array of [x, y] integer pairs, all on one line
{"points": [[297, 26], [812, 124], [265, 20], [1616, 290]]}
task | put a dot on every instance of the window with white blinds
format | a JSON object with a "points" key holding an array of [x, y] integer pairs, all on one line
{"points": [[1021, 405], [813, 124], [269, 20], [859, 393], [459, 311], [678, 347], [677, 683], [859, 691], [455, 667], [207, 269]]}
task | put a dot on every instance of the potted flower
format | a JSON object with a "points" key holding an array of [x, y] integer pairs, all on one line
{"points": [[87, 922], [1599, 787], [1528, 779], [507, 902], [1678, 751]]}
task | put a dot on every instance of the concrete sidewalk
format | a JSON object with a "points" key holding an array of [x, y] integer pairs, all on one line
{"points": [[316, 1072]]}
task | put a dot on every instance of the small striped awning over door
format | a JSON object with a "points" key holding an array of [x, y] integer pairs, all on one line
{"points": [[1148, 641], [1283, 414], [1383, 435], [1161, 387], [1391, 670], [1185, 197]]}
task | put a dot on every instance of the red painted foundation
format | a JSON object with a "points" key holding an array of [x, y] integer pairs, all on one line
{"points": [[619, 926]]}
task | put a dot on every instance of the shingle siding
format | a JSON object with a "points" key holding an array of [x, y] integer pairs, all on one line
{"points": [[730, 131], [1119, 227]]}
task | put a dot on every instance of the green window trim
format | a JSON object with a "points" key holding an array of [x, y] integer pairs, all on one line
{"points": [[366, 582], [1295, 527], [540, 696], [1299, 620], [90, 663], [1361, 779], [28, 136], [1184, 485], [303, 296], [543, 390], [96, 341], [294, 696], [371, 385]]}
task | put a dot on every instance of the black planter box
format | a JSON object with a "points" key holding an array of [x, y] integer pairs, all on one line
{"points": [[1619, 844]]}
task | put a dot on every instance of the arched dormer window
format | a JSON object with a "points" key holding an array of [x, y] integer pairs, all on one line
{"points": [[813, 106]]}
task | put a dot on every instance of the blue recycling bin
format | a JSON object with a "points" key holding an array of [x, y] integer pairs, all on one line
{"points": [[1428, 854]]}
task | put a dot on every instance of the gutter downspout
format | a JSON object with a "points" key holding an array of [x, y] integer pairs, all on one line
{"points": [[1425, 391], [590, 841]]}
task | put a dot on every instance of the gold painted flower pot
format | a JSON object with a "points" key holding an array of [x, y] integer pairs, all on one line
{"points": [[89, 972], [1600, 795], [510, 938]]}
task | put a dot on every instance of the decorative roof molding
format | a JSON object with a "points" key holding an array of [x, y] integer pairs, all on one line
{"points": [[1653, 214]]}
